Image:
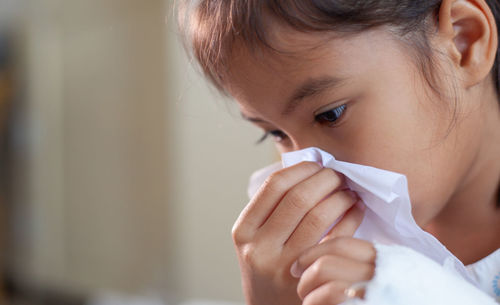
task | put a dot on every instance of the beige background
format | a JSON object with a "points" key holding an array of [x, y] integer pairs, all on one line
{"points": [[130, 170]]}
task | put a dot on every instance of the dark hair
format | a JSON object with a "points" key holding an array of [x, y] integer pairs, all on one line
{"points": [[213, 27]]}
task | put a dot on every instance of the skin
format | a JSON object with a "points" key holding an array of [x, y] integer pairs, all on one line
{"points": [[391, 121]]}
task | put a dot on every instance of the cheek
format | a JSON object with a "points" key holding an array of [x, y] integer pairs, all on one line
{"points": [[444, 168], [399, 132], [386, 129]]}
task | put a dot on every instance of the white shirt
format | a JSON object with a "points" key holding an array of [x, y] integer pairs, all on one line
{"points": [[487, 274], [406, 277]]}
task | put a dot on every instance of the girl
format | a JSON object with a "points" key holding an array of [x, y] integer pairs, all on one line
{"points": [[403, 85]]}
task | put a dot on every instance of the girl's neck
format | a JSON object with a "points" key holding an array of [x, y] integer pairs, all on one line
{"points": [[469, 225], [472, 237]]}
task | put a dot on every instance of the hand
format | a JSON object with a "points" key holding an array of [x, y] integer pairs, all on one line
{"points": [[289, 214], [328, 269]]}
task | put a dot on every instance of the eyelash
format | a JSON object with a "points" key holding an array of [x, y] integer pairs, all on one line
{"points": [[277, 134], [325, 118], [322, 118]]}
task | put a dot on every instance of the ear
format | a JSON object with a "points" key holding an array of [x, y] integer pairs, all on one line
{"points": [[469, 33]]}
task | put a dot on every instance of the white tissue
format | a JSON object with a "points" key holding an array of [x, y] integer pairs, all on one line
{"points": [[388, 219]]}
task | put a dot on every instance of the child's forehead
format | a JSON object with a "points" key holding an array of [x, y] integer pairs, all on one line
{"points": [[287, 39], [282, 55], [281, 42], [290, 51], [265, 75]]}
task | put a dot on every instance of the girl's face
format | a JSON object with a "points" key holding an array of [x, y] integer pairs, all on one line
{"points": [[362, 99]]}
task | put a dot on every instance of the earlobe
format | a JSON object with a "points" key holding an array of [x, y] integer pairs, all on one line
{"points": [[469, 31]]}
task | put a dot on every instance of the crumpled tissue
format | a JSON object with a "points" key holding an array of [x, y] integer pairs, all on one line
{"points": [[388, 219]]}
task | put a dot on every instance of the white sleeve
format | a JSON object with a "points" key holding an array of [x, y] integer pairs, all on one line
{"points": [[405, 277]]}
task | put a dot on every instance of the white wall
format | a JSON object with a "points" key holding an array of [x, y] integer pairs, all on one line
{"points": [[211, 157], [96, 199], [136, 170]]}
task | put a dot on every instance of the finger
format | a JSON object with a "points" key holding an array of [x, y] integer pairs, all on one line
{"points": [[347, 247], [269, 195], [333, 268], [357, 290], [331, 293], [317, 221], [298, 201], [349, 223]]}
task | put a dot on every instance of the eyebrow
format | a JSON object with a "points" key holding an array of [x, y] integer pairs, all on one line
{"points": [[309, 88]]}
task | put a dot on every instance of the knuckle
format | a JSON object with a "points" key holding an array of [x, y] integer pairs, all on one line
{"points": [[340, 244], [336, 293], [336, 178], [316, 269], [317, 220], [320, 265], [345, 197], [250, 257], [276, 182], [309, 166], [332, 245], [332, 294], [247, 255], [237, 235], [297, 199]]}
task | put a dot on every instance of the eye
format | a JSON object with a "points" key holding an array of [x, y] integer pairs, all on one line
{"points": [[330, 116], [278, 136]]}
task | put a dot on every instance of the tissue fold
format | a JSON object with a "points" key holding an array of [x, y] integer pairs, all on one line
{"points": [[388, 219]]}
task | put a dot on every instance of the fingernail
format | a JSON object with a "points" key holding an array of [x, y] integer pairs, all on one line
{"points": [[294, 270]]}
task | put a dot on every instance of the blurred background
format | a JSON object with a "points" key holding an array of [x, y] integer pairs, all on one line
{"points": [[121, 172]]}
